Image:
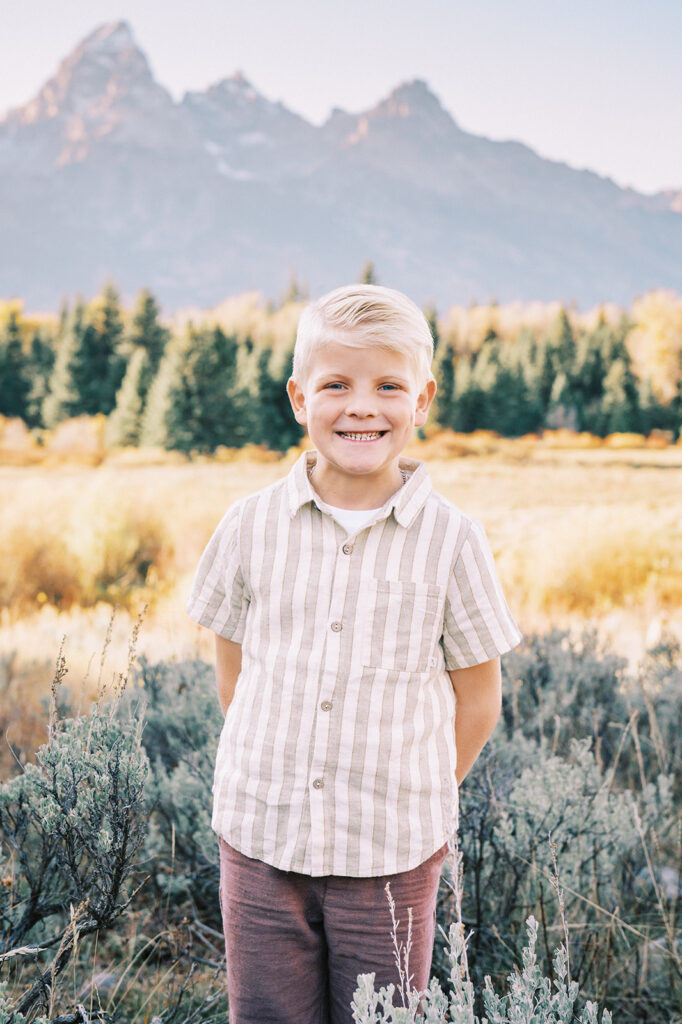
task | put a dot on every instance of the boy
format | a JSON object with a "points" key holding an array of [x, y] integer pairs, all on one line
{"points": [[353, 608]]}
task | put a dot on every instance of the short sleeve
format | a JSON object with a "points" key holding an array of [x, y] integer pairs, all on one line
{"points": [[477, 623], [218, 599]]}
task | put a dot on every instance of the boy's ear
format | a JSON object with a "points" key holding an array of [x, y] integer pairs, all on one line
{"points": [[297, 399], [424, 399]]}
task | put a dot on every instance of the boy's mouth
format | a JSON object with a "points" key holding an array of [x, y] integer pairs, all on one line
{"points": [[356, 435]]}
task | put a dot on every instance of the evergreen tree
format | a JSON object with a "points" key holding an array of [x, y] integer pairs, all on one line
{"points": [[15, 382], [124, 424], [194, 402], [563, 410], [588, 380], [63, 398], [484, 380], [368, 273], [468, 398], [563, 343], [294, 292], [154, 427], [274, 423], [89, 366], [40, 366], [545, 373], [653, 414], [676, 403], [432, 320], [497, 396], [148, 333], [619, 404], [443, 409]]}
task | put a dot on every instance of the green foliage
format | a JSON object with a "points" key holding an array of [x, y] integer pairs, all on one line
{"points": [[586, 757], [272, 422], [578, 381], [586, 754], [295, 291], [148, 335], [15, 381], [63, 399], [368, 273], [40, 366], [491, 391], [431, 315], [73, 823], [208, 387], [125, 421], [182, 727], [155, 424], [71, 828], [443, 411], [531, 997], [198, 400], [97, 366]]}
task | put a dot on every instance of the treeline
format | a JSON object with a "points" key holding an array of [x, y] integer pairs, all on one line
{"points": [[203, 384]]}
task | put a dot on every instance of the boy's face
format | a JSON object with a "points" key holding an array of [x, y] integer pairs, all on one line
{"points": [[360, 406]]}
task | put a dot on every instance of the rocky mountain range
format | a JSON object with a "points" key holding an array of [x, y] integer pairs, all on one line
{"points": [[103, 175]]}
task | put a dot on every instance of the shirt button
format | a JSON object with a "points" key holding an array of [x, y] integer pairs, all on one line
{"points": [[336, 627], [347, 549], [326, 705], [318, 783]]}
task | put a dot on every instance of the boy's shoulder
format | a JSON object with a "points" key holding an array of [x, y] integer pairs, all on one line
{"points": [[264, 496], [451, 513]]}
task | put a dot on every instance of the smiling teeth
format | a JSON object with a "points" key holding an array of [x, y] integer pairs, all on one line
{"points": [[361, 437]]}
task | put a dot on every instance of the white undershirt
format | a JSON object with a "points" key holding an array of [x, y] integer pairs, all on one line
{"points": [[352, 519]]}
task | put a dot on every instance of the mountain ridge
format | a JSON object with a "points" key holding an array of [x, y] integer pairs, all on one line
{"points": [[227, 190]]}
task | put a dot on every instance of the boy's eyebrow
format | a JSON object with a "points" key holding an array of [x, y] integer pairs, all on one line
{"points": [[340, 375]]}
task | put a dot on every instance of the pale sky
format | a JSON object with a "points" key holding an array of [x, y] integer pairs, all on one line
{"points": [[594, 83]]}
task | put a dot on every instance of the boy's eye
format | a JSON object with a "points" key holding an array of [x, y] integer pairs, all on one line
{"points": [[334, 385], [389, 387]]}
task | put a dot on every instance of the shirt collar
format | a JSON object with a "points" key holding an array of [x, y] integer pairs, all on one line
{"points": [[406, 503]]}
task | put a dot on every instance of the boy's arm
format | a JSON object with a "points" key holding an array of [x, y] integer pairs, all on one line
{"points": [[228, 663], [478, 694]]}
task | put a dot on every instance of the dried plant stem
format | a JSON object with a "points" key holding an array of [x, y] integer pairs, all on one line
{"points": [[57, 679], [401, 951]]}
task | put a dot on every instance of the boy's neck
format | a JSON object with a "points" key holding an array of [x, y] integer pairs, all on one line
{"points": [[355, 492]]}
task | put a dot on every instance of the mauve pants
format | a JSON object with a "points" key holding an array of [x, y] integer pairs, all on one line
{"points": [[295, 944]]}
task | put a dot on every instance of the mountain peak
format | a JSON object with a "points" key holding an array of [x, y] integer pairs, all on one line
{"points": [[410, 99], [107, 63], [113, 37], [103, 90]]}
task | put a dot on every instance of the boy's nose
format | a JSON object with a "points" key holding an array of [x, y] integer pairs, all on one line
{"points": [[360, 404]]}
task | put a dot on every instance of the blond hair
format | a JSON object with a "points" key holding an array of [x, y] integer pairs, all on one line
{"points": [[359, 315]]}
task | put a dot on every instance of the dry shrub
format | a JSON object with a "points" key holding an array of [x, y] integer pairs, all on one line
{"points": [[570, 439], [660, 439], [37, 565], [18, 446], [149, 456], [129, 550], [601, 564], [81, 552], [447, 444], [625, 441], [255, 453], [80, 439]]}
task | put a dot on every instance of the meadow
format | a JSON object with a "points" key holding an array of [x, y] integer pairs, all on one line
{"points": [[584, 533], [584, 764]]}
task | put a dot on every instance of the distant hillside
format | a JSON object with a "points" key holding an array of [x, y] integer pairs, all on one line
{"points": [[103, 174]]}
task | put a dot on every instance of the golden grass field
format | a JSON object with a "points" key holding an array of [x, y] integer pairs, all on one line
{"points": [[584, 534]]}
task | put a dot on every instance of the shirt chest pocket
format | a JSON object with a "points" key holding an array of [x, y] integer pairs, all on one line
{"points": [[401, 625]]}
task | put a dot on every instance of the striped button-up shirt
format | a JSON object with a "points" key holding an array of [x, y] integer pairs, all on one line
{"points": [[337, 755]]}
